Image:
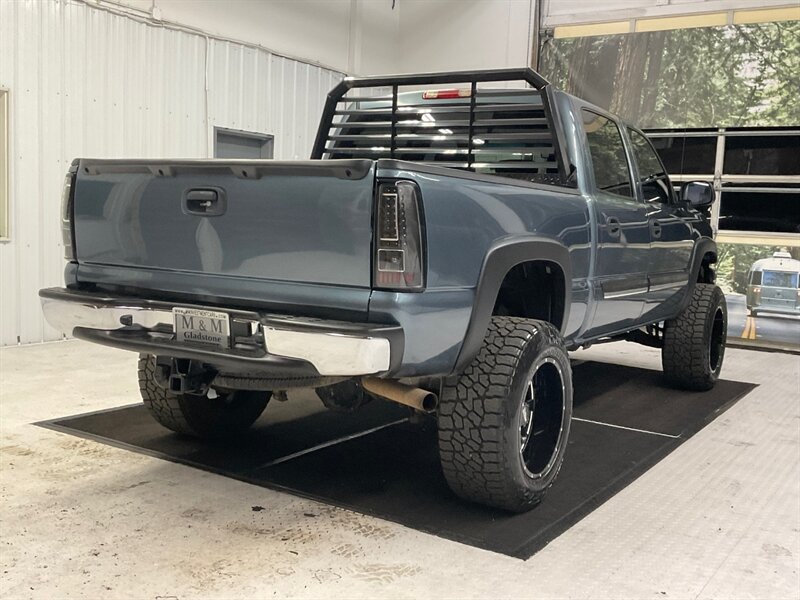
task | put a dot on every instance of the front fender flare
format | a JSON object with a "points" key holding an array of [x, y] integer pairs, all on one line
{"points": [[702, 246]]}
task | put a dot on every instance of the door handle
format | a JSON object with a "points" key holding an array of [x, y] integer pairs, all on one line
{"points": [[655, 228], [613, 226], [204, 202]]}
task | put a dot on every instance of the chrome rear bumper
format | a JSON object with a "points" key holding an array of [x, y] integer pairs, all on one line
{"points": [[259, 340]]}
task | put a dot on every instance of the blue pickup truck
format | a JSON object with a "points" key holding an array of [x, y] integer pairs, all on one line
{"points": [[452, 238]]}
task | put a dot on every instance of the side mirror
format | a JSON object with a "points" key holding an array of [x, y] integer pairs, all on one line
{"points": [[697, 194]]}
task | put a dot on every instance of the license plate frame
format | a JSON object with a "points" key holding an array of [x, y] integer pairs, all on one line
{"points": [[201, 326]]}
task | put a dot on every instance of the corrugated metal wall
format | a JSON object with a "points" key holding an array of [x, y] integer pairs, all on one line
{"points": [[84, 82]]}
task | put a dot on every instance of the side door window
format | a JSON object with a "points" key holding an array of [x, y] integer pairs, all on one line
{"points": [[653, 177], [609, 163]]}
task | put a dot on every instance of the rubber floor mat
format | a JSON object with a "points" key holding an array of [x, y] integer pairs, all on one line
{"points": [[378, 462]]}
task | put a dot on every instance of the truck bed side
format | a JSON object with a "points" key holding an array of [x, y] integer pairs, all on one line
{"points": [[467, 217]]}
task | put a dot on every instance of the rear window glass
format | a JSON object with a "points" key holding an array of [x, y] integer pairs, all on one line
{"points": [[498, 131], [779, 279]]}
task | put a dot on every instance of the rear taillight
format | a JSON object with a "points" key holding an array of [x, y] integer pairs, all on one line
{"points": [[66, 216], [398, 237]]}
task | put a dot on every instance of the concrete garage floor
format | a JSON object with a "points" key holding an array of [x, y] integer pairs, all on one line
{"points": [[718, 518]]}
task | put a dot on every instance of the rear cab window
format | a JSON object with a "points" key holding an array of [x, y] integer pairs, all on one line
{"points": [[501, 132]]}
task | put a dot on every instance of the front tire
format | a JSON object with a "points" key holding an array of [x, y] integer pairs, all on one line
{"points": [[694, 341], [504, 422], [224, 417]]}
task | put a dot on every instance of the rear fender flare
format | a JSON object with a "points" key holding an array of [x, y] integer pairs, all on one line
{"points": [[502, 256]]}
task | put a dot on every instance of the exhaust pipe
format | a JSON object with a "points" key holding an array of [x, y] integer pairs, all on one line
{"points": [[401, 393]]}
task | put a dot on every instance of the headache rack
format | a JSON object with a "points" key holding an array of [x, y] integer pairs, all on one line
{"points": [[477, 123]]}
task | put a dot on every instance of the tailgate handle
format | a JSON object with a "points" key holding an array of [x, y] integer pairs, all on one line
{"points": [[205, 202]]}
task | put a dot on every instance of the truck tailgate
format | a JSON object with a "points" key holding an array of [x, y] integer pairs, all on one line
{"points": [[305, 222]]}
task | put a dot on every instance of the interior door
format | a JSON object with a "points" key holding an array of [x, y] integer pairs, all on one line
{"points": [[620, 276]]}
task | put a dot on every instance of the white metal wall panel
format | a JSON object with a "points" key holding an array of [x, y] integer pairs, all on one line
{"points": [[84, 82]]}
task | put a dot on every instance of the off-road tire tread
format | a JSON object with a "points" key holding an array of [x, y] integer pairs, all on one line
{"points": [[684, 356], [171, 410], [163, 406], [471, 415]]}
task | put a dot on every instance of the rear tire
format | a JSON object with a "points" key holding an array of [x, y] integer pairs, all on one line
{"points": [[504, 422], [694, 341], [223, 417]]}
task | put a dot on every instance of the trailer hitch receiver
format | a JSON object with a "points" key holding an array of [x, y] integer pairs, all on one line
{"points": [[183, 375]]}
